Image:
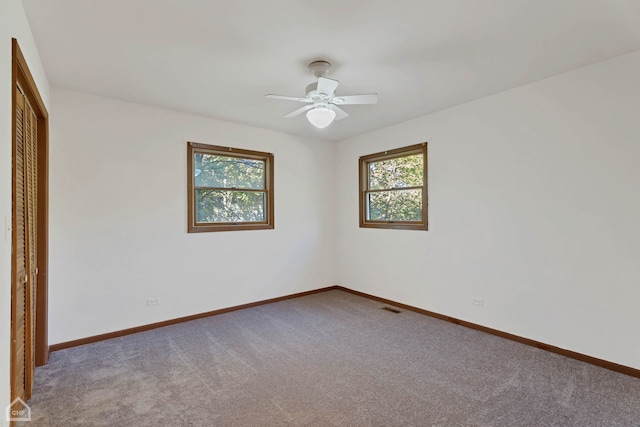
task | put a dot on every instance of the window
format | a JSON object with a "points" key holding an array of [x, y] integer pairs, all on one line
{"points": [[229, 189], [393, 189]]}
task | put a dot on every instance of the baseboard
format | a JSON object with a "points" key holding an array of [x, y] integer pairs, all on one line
{"points": [[143, 328], [547, 347]]}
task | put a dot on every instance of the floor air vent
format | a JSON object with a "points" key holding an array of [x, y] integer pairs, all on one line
{"points": [[393, 310]]}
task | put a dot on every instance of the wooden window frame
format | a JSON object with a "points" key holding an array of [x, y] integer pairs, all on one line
{"points": [[363, 176], [196, 148]]}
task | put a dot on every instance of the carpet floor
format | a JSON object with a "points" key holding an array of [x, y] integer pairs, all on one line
{"points": [[327, 359]]}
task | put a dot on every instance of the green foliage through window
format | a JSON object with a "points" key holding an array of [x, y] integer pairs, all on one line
{"points": [[395, 205], [393, 189], [229, 187], [229, 206], [228, 172], [396, 173]]}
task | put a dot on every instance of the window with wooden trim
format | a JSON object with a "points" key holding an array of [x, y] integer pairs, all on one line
{"points": [[393, 188], [229, 188]]}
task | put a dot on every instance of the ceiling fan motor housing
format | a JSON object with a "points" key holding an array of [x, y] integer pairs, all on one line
{"points": [[318, 69], [312, 90]]}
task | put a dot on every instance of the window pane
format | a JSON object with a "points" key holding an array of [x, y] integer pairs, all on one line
{"points": [[400, 172], [229, 206], [397, 205], [228, 172]]}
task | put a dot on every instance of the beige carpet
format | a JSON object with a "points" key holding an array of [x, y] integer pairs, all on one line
{"points": [[329, 359]]}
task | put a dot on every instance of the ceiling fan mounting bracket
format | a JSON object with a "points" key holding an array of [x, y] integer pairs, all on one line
{"points": [[320, 68]]}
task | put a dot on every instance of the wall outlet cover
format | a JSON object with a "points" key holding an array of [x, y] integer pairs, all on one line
{"points": [[477, 301]]}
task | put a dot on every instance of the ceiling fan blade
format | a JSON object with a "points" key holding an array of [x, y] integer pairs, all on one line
{"points": [[299, 111], [288, 98], [327, 86], [370, 98], [340, 113]]}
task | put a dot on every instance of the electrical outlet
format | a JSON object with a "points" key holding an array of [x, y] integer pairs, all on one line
{"points": [[152, 301], [477, 301]]}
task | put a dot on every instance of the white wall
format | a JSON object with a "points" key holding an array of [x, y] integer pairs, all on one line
{"points": [[534, 206], [13, 24], [118, 219]]}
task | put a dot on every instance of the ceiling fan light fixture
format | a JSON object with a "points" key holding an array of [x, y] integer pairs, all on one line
{"points": [[321, 117]]}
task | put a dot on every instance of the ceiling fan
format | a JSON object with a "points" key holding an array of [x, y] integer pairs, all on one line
{"points": [[322, 102]]}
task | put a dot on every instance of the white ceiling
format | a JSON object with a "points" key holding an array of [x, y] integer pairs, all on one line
{"points": [[219, 58]]}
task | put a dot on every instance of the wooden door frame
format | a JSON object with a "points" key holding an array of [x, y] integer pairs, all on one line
{"points": [[21, 75]]}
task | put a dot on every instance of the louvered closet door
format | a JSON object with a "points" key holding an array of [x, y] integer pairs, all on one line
{"points": [[24, 250], [30, 128]]}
